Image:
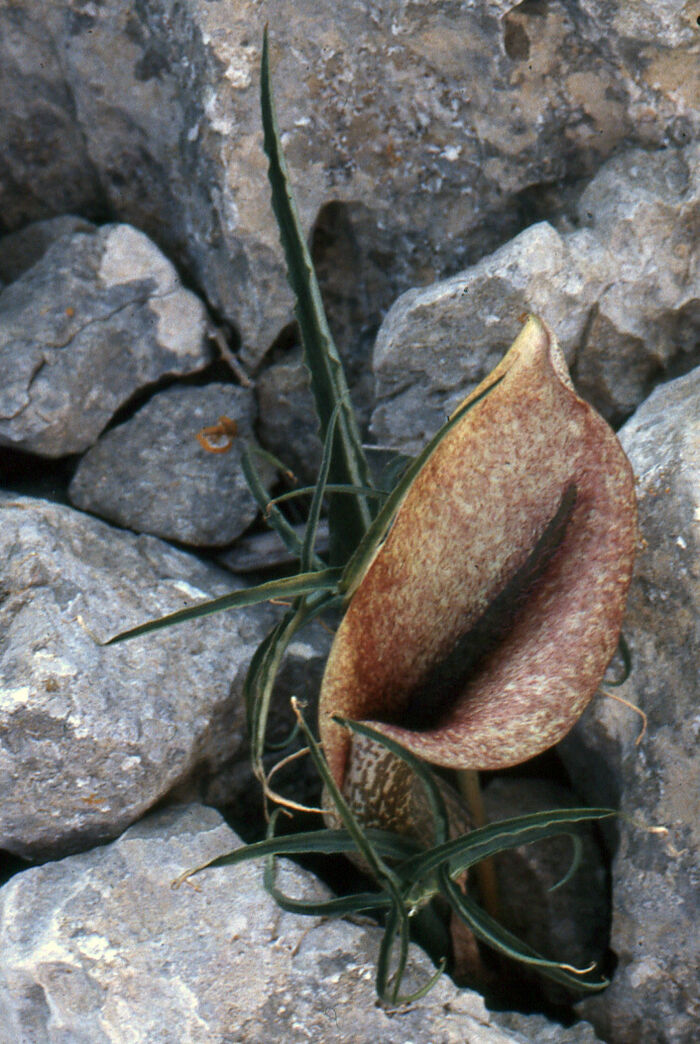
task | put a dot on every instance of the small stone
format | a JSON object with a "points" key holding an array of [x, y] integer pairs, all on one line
{"points": [[101, 315], [151, 474]]}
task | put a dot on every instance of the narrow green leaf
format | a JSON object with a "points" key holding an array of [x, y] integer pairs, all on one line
{"points": [[394, 470], [384, 875], [308, 842], [288, 587], [342, 906], [328, 384], [377, 531], [272, 748], [352, 491], [272, 514], [337, 907], [276, 463], [388, 984], [576, 859], [463, 852], [626, 656], [260, 681], [493, 934], [262, 673], [317, 499]]}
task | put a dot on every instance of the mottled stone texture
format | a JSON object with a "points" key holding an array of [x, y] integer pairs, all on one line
{"points": [[656, 890], [101, 314], [621, 290], [99, 948], [435, 130], [92, 737], [151, 473]]}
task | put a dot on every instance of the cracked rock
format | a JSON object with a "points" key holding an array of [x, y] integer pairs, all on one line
{"points": [[99, 316], [622, 295], [91, 737], [100, 948]]}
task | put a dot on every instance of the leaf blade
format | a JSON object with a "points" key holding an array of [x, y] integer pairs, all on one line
{"points": [[287, 587], [328, 383]]}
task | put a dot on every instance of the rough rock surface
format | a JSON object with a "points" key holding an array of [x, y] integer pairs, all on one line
{"points": [[20, 250], [433, 127], [622, 294], [152, 475], [655, 994], [92, 737], [99, 316], [99, 948]]}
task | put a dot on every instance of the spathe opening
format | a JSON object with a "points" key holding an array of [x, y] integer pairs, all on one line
{"points": [[426, 706]]}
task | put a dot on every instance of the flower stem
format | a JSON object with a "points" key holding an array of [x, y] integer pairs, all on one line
{"points": [[470, 789]]}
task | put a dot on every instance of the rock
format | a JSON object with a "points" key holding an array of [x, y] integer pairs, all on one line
{"points": [[97, 318], [288, 426], [257, 552], [655, 994], [436, 344], [152, 475], [99, 946], [432, 133], [644, 211], [20, 250], [623, 296], [92, 737], [570, 923]]}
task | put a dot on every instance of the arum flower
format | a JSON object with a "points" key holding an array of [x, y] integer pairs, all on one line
{"points": [[484, 623], [484, 601]]}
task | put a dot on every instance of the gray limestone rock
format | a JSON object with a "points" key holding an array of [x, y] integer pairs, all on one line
{"points": [[152, 475], [99, 948], [655, 994], [20, 250], [622, 294], [644, 324], [431, 131], [91, 737], [98, 317]]}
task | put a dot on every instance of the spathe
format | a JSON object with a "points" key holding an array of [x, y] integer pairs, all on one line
{"points": [[485, 622]]}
